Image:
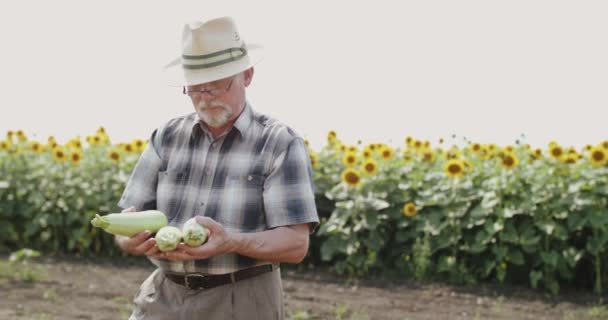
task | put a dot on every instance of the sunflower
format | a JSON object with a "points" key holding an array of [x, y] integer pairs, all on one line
{"points": [[353, 149], [367, 153], [509, 161], [605, 144], [440, 140], [408, 141], [350, 159], [387, 153], [475, 147], [407, 156], [114, 155], [5, 144], [509, 149], [598, 156], [453, 153], [138, 145], [21, 136], [101, 130], [454, 168], [126, 147], [417, 144], [306, 143], [428, 156], [76, 156], [332, 136], [409, 209], [314, 159], [570, 158], [555, 151], [75, 143], [369, 166], [351, 177], [36, 146], [59, 154]]}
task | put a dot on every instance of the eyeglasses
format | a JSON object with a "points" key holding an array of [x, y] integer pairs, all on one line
{"points": [[212, 92]]}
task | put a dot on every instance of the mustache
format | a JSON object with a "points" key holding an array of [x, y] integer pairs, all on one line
{"points": [[204, 105]]}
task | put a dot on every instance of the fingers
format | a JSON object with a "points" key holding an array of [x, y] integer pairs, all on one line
{"points": [[137, 243], [146, 246], [129, 209], [210, 224]]}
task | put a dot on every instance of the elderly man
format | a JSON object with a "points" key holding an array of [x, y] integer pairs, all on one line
{"points": [[244, 176]]}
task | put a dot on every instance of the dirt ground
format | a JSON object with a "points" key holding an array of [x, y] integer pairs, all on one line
{"points": [[78, 288]]}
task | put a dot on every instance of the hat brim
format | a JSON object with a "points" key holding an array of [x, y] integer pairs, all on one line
{"points": [[177, 76]]}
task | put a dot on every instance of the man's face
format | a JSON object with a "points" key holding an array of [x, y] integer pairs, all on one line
{"points": [[221, 101]]}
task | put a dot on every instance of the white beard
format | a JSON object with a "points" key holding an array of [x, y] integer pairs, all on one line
{"points": [[217, 120]]}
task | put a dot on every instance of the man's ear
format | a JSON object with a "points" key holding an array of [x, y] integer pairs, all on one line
{"points": [[248, 76]]}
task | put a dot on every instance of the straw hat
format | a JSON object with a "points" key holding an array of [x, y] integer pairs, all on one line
{"points": [[211, 50]]}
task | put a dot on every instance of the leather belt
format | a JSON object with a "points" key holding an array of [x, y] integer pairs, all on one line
{"points": [[198, 281]]}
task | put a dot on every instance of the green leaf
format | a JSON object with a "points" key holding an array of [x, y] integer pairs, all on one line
{"points": [[500, 252], [550, 258], [596, 243], [598, 217], [488, 266], [375, 241], [576, 221], [535, 276], [509, 234], [572, 256], [332, 246], [516, 257]]}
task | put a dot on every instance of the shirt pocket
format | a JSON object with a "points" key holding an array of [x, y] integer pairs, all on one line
{"points": [[243, 203], [169, 192]]}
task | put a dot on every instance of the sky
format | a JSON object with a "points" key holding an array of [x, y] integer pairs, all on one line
{"points": [[376, 71]]}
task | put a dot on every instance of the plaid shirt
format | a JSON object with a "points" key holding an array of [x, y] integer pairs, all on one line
{"points": [[255, 177]]}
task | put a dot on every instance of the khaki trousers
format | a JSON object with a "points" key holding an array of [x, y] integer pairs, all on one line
{"points": [[259, 297]]}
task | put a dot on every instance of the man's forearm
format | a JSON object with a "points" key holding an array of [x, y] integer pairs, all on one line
{"points": [[282, 244]]}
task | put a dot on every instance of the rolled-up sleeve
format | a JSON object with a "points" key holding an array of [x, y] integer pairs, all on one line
{"points": [[140, 191], [289, 190]]}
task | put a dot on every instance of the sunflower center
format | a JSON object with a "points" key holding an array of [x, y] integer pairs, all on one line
{"points": [[454, 168], [370, 167], [598, 156], [508, 161], [352, 177], [556, 152]]}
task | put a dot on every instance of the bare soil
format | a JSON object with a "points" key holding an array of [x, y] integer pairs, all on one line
{"points": [[86, 288]]}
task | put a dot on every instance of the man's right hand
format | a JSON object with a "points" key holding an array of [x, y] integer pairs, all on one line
{"points": [[139, 244]]}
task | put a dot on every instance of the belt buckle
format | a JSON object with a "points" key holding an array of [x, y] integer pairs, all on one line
{"points": [[187, 278]]}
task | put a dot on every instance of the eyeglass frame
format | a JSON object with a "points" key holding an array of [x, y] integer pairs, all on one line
{"points": [[213, 92]]}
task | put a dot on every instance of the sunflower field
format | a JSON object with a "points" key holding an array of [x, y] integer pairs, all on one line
{"points": [[464, 214]]}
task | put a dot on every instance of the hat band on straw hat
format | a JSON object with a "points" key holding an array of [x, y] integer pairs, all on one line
{"points": [[213, 59]]}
